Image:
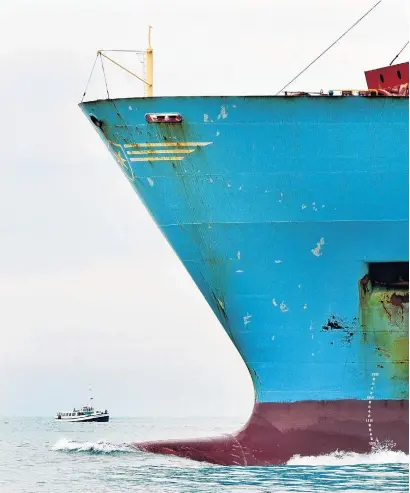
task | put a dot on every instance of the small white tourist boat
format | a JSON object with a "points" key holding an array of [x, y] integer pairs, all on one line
{"points": [[84, 414]]}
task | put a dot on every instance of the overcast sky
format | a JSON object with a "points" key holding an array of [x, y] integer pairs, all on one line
{"points": [[90, 292]]}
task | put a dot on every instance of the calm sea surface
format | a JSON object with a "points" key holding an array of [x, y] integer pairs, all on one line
{"points": [[41, 455]]}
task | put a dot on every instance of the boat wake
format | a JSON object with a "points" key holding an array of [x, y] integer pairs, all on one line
{"points": [[100, 447], [382, 453]]}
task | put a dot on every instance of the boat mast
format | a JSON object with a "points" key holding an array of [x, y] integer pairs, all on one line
{"points": [[149, 60], [90, 403], [148, 64]]}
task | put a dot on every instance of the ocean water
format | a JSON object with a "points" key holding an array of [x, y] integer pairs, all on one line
{"points": [[42, 455]]}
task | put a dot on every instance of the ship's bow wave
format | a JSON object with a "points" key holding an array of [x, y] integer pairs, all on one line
{"points": [[99, 447]]}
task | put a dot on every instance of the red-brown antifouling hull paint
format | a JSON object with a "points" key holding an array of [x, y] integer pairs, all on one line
{"points": [[277, 431]]}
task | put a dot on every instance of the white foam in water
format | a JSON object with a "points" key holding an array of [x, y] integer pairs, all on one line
{"points": [[382, 453], [101, 447]]}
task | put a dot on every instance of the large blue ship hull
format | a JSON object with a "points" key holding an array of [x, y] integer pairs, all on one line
{"points": [[279, 208]]}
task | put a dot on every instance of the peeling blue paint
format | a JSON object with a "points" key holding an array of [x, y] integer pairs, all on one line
{"points": [[336, 170]]}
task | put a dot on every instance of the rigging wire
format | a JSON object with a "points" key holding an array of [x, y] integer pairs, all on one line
{"points": [[331, 46], [100, 53], [105, 77], [89, 78], [123, 51], [399, 53]]}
